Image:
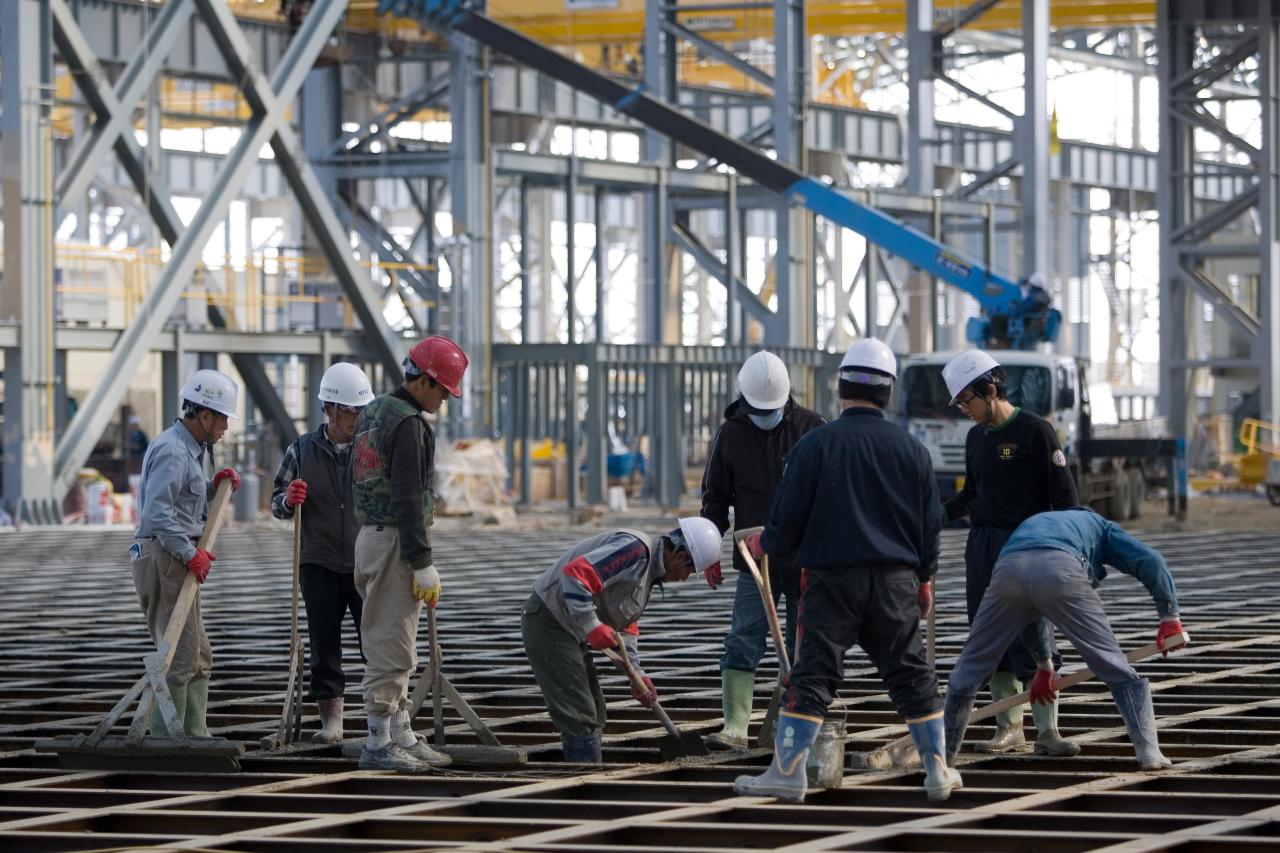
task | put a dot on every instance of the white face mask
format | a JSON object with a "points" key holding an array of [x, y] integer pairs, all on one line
{"points": [[769, 421]]}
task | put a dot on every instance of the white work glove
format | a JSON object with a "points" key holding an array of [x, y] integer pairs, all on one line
{"points": [[426, 585]]}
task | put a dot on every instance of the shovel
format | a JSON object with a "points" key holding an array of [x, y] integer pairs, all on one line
{"points": [[289, 730], [676, 744], [761, 575]]}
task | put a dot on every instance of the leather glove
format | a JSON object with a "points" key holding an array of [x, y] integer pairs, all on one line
{"points": [[714, 575], [754, 547], [924, 597], [426, 585], [646, 697], [1042, 692], [224, 474], [602, 637], [296, 493], [200, 564], [1168, 628]]}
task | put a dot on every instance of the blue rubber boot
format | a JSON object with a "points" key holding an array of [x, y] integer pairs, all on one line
{"points": [[581, 750], [785, 778], [931, 743], [1133, 699]]}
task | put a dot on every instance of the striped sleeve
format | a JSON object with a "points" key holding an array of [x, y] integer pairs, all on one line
{"points": [[288, 473], [586, 575]]}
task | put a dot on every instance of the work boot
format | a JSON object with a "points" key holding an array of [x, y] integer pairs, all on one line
{"points": [[785, 778], [737, 687], [584, 749], [930, 739], [381, 752], [179, 694], [1133, 698], [956, 710], [330, 721], [193, 721], [403, 736], [1009, 734], [1048, 741]]}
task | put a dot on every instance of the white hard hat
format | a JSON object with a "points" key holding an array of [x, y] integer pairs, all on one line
{"points": [[869, 354], [346, 384], [213, 390], [1036, 279], [764, 382], [960, 372], [702, 539]]}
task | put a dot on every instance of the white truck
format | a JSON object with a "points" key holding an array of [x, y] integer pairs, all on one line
{"points": [[1111, 472]]}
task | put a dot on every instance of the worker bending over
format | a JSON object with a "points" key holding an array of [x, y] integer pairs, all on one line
{"points": [[743, 470], [316, 472], [1014, 468], [1048, 570], [394, 471], [173, 501], [596, 589], [858, 506]]}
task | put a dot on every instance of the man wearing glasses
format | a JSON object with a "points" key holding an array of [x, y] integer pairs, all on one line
{"points": [[1014, 469], [316, 471]]}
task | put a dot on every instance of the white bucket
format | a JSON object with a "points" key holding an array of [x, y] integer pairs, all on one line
{"points": [[99, 507]]}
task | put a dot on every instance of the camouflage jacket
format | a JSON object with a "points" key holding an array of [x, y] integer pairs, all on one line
{"points": [[393, 468]]}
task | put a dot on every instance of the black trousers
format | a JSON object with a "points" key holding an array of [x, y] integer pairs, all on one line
{"points": [[981, 550], [328, 596], [876, 608]]}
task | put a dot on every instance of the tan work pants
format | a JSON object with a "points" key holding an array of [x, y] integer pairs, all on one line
{"points": [[389, 626], [158, 578]]}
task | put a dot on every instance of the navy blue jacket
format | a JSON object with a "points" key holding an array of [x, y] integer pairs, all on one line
{"points": [[857, 491]]}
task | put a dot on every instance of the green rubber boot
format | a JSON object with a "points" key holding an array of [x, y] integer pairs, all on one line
{"points": [[1009, 734], [179, 694], [197, 707], [1048, 741], [737, 688]]}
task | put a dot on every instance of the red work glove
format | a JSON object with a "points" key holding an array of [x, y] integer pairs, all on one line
{"points": [[1168, 628], [296, 493], [646, 697], [224, 474], [200, 564], [754, 547], [714, 576], [924, 597], [1042, 692], [602, 637]]}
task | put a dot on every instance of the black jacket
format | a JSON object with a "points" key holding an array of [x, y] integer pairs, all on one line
{"points": [[745, 467], [859, 491]]}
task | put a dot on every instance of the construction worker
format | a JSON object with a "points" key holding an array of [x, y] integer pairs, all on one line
{"points": [[1014, 468], [394, 459], [596, 589], [743, 470], [1049, 568], [173, 500], [316, 473], [858, 507]]}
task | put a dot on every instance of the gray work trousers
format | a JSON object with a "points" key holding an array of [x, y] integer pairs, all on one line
{"points": [[1026, 585], [564, 670], [158, 577], [389, 624]]}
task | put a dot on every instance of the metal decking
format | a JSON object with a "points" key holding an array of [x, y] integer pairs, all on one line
{"points": [[72, 639]]}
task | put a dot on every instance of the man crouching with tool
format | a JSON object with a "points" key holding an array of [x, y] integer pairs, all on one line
{"points": [[1048, 570], [596, 589]]}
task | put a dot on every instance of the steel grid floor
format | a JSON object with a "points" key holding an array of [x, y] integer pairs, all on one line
{"points": [[72, 639]]}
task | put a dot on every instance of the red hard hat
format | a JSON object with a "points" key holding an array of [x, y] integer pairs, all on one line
{"points": [[442, 360]]}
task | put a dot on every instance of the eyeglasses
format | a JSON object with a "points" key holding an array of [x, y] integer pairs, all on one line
{"points": [[965, 403], [350, 410]]}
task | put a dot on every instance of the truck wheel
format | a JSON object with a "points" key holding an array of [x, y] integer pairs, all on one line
{"points": [[1137, 492], [1273, 495], [1120, 498]]}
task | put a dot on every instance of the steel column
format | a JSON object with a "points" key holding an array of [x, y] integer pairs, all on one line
{"points": [[921, 138], [1032, 135]]}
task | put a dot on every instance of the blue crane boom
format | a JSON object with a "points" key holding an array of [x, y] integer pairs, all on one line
{"points": [[1015, 315]]}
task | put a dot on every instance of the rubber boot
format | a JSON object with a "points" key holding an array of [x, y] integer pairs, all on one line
{"points": [[179, 694], [193, 722], [1133, 698], [403, 736], [584, 749], [330, 721], [382, 753], [957, 709], [930, 739], [1009, 734], [1048, 741], [737, 688], [785, 778]]}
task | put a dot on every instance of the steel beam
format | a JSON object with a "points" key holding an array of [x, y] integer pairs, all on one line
{"points": [[921, 135], [1032, 135]]}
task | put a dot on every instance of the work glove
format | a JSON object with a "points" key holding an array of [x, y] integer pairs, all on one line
{"points": [[714, 576], [426, 585], [1042, 692], [224, 474], [200, 564], [924, 597], [754, 548], [1168, 628], [602, 637], [646, 697], [296, 493]]}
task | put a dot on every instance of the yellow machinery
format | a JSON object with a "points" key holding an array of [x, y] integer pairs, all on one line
{"points": [[1261, 442]]}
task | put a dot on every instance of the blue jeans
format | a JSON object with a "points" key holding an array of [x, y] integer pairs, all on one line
{"points": [[749, 630]]}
